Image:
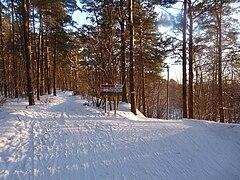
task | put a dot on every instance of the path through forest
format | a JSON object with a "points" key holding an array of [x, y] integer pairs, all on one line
{"points": [[60, 138]]}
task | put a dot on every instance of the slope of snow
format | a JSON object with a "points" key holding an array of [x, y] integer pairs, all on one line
{"points": [[60, 138]]}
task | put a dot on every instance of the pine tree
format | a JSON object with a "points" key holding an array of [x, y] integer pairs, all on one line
{"points": [[27, 50], [4, 80], [123, 51], [184, 59], [190, 57], [131, 54]]}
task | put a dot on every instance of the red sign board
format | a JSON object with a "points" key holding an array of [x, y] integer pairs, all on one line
{"points": [[111, 87], [107, 85]]}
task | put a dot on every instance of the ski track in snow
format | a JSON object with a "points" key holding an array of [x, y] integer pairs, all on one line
{"points": [[59, 138]]}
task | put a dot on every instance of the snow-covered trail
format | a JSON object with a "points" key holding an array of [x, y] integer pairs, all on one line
{"points": [[60, 138]]}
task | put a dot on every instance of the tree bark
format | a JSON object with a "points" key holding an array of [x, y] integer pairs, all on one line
{"points": [[141, 59], [131, 53], [47, 64], [54, 66], [15, 74], [27, 48], [42, 84], [191, 56], [123, 52], [219, 45], [2, 54], [35, 55], [39, 57], [184, 58], [214, 91], [167, 92]]}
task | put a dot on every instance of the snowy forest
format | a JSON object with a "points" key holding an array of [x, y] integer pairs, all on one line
{"points": [[86, 90], [44, 50]]}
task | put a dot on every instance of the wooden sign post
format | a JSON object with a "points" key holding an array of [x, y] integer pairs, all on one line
{"points": [[111, 90]]}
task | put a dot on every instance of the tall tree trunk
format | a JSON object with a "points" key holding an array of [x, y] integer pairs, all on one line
{"points": [[47, 63], [184, 56], [2, 54], [42, 84], [158, 100], [27, 48], [76, 74], [34, 54], [123, 51], [219, 45], [39, 56], [141, 59], [214, 91], [191, 56], [13, 54], [131, 53], [35, 64], [167, 92], [54, 66]]}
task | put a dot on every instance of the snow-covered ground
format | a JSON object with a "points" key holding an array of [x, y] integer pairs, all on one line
{"points": [[60, 138]]}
